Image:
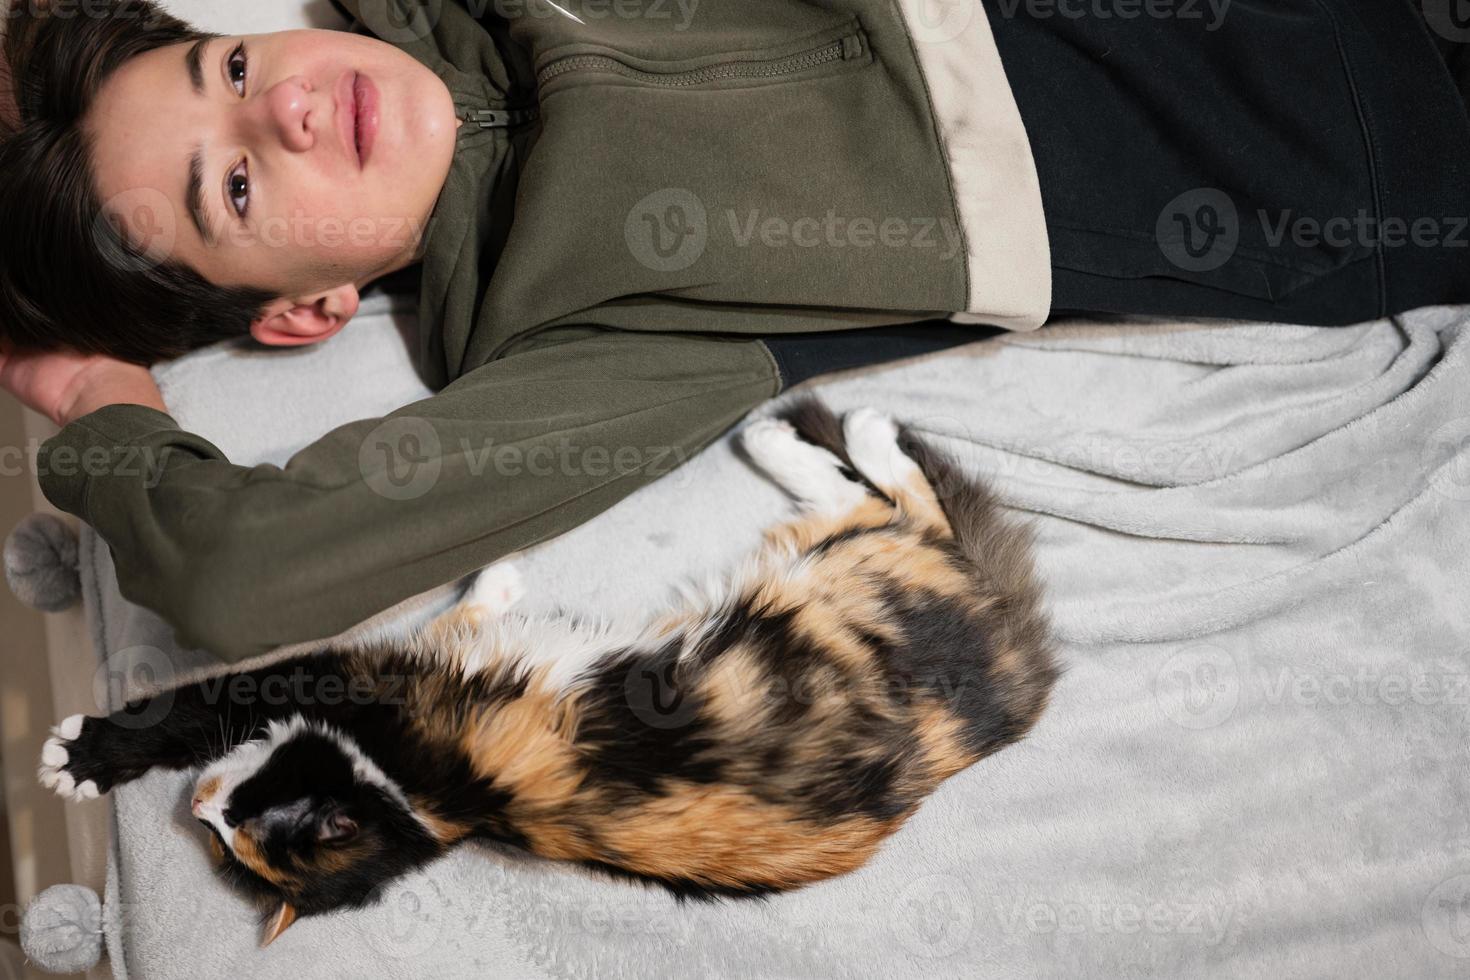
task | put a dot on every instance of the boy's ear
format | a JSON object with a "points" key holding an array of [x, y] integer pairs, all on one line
{"points": [[307, 320]]}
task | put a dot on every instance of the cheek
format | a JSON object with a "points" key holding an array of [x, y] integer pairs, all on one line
{"points": [[337, 226], [313, 239], [248, 853], [417, 138]]}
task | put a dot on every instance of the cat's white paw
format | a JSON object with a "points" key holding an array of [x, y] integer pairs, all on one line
{"points": [[767, 432], [872, 445], [56, 754], [809, 473], [496, 589], [54, 757]]}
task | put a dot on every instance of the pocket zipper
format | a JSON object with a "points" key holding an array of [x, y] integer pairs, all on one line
{"points": [[842, 49]]}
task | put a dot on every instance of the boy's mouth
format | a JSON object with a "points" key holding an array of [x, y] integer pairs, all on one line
{"points": [[357, 115]]}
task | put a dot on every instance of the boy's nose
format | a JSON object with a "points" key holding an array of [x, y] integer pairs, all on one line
{"points": [[295, 112]]}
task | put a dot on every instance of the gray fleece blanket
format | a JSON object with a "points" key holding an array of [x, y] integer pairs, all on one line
{"points": [[1255, 542]]}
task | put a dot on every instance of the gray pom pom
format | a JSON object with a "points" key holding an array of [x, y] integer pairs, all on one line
{"points": [[41, 563], [62, 929]]}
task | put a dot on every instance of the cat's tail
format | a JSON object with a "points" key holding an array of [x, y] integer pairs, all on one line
{"points": [[999, 550], [930, 486], [1000, 547]]}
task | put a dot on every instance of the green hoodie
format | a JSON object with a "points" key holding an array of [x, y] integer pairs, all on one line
{"points": [[640, 189]]}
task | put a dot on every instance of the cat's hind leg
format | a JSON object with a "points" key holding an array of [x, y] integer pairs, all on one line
{"points": [[810, 473], [867, 446], [873, 445]]}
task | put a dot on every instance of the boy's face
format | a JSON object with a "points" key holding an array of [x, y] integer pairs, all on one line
{"points": [[286, 199]]}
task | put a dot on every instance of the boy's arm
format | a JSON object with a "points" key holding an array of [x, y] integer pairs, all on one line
{"points": [[244, 559]]}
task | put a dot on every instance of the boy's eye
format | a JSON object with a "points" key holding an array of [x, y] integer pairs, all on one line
{"points": [[236, 67], [239, 189]]}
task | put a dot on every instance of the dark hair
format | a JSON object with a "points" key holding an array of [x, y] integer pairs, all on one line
{"points": [[68, 276]]}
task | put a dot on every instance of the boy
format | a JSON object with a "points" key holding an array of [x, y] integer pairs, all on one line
{"points": [[628, 235]]}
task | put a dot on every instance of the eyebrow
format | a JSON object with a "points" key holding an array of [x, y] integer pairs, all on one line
{"points": [[194, 61], [194, 194]]}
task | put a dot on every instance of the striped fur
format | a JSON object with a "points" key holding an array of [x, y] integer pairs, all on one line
{"points": [[767, 734]]}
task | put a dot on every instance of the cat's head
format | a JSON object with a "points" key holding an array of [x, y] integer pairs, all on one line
{"points": [[305, 822]]}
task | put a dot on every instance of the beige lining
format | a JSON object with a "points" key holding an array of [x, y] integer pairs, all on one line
{"points": [[993, 173]]}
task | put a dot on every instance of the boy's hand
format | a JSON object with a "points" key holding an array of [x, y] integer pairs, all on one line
{"points": [[65, 385]]}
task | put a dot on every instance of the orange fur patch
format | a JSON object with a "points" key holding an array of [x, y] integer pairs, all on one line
{"points": [[206, 790], [444, 831], [726, 836], [526, 746], [248, 852]]}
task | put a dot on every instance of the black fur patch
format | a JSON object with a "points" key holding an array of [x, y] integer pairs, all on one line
{"points": [[642, 724]]}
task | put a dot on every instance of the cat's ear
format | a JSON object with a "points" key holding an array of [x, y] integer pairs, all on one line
{"points": [[335, 828], [279, 923]]}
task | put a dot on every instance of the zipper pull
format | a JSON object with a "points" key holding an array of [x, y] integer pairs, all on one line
{"points": [[502, 118]]}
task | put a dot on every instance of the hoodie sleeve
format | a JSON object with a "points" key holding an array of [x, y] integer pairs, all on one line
{"points": [[243, 559]]}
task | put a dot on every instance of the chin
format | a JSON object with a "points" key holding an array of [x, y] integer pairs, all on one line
{"points": [[417, 144]]}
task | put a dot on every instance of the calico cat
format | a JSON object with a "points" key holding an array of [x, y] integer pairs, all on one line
{"points": [[769, 734]]}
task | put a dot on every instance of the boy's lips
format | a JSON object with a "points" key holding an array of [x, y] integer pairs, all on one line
{"points": [[357, 115], [367, 116]]}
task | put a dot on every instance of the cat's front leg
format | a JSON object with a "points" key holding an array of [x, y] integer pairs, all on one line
{"points": [[181, 728]]}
